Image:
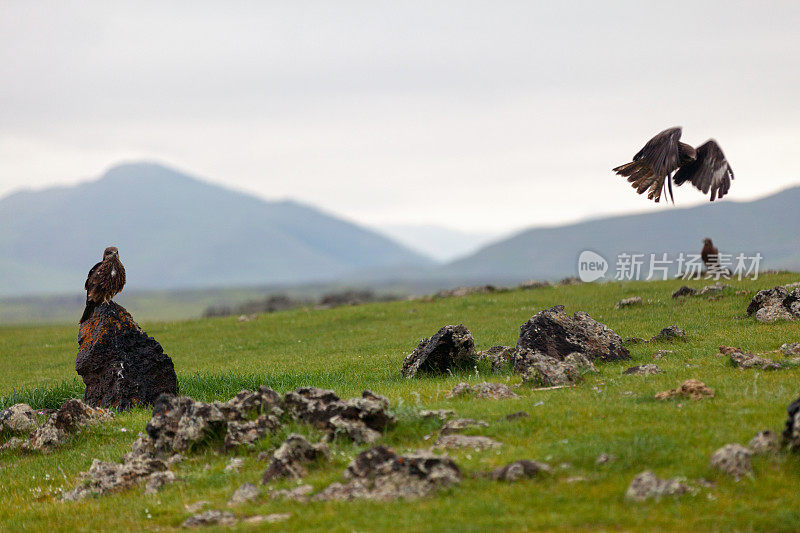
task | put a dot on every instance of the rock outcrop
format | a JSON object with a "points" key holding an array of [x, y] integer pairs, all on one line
{"points": [[380, 474], [647, 485], [120, 365], [733, 459], [290, 458], [556, 334], [451, 348], [777, 303], [484, 390]]}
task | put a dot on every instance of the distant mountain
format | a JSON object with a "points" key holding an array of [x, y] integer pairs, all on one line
{"points": [[770, 226], [441, 243], [176, 231]]}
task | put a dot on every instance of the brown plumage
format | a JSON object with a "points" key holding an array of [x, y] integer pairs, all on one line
{"points": [[709, 254], [652, 167], [105, 280]]}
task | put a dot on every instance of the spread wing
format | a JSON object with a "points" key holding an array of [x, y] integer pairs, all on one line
{"points": [[89, 280], [709, 172], [652, 165]]}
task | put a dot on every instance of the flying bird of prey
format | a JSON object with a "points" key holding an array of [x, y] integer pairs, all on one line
{"points": [[105, 280], [653, 166]]}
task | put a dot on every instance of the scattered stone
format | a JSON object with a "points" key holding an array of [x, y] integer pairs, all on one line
{"points": [[301, 493], [246, 493], [466, 441], [691, 388], [210, 518], [647, 485], [662, 354], [764, 442], [791, 433], [451, 348], [534, 284], [156, 480], [517, 415], [684, 291], [269, 519], [120, 365], [789, 349], [742, 359], [605, 458], [196, 506], [643, 370], [234, 464], [541, 370], [19, 418], [777, 303], [713, 289], [733, 459], [441, 414], [14, 443], [519, 469], [380, 474], [67, 420], [627, 302], [362, 419], [632, 341], [554, 333], [457, 425], [485, 390], [498, 356], [669, 334], [290, 458], [179, 423], [103, 477]]}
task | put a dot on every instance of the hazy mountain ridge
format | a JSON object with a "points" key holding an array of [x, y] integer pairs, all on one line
{"points": [[768, 226], [177, 231]]}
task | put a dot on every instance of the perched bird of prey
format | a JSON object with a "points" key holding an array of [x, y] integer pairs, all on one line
{"points": [[652, 167], [105, 280], [709, 254]]}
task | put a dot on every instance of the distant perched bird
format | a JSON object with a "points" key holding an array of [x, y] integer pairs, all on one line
{"points": [[105, 280], [709, 254], [652, 167]]}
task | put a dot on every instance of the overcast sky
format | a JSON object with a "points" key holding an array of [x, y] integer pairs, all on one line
{"points": [[481, 116]]}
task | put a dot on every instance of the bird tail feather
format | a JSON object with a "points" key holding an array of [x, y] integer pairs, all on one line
{"points": [[88, 310]]}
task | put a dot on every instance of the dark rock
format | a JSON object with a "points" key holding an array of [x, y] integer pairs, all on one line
{"points": [[554, 333], [180, 423], [670, 334], [684, 291], [120, 365], [380, 474], [362, 419], [290, 458], [519, 469], [791, 433], [517, 415], [451, 348], [647, 485], [19, 418], [767, 298], [643, 370], [733, 459], [741, 359], [632, 341], [485, 390]]}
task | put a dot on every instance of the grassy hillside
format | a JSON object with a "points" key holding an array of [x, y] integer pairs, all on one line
{"points": [[350, 349]]}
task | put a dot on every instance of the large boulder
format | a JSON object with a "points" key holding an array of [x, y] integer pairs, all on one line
{"points": [[777, 303], [556, 334], [120, 365], [452, 347]]}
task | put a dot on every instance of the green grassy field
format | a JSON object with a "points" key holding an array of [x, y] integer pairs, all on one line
{"points": [[351, 349]]}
